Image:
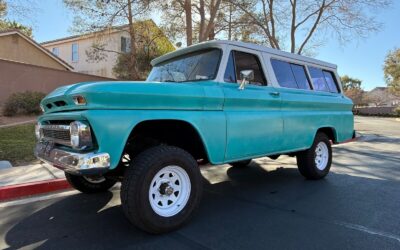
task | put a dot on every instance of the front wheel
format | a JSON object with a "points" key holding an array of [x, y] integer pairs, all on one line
{"points": [[92, 184], [161, 189], [315, 162]]}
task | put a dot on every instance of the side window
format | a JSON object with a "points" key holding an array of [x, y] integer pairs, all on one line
{"points": [[239, 61], [331, 82], [230, 75], [300, 75], [290, 75], [318, 79], [246, 61], [284, 74], [323, 80]]}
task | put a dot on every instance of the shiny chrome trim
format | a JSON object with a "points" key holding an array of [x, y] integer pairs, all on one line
{"points": [[80, 135], [86, 163], [38, 131], [56, 128]]}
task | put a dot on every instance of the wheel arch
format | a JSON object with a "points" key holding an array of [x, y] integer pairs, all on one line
{"points": [[175, 132], [330, 132]]}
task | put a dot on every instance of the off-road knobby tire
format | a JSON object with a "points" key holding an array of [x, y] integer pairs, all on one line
{"points": [[81, 184], [306, 159], [136, 184], [240, 164]]}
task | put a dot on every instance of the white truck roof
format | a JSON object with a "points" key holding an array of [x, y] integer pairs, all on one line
{"points": [[224, 43]]}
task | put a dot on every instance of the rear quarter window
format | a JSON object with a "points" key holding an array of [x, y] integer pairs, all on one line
{"points": [[330, 81], [323, 80]]}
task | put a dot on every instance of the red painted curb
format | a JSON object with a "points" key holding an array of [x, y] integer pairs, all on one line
{"points": [[32, 188]]}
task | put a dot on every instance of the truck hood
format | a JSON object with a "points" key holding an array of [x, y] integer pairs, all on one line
{"points": [[134, 95]]}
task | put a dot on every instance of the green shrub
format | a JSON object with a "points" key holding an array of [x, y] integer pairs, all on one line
{"points": [[23, 103], [397, 111]]}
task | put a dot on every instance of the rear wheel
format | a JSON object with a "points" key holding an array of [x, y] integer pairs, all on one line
{"points": [[240, 164], [315, 162], [92, 184], [161, 189]]}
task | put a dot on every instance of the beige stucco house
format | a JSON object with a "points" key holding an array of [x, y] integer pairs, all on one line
{"points": [[113, 42], [27, 66], [74, 50], [17, 47]]}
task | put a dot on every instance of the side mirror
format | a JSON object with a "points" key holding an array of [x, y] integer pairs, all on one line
{"points": [[246, 75]]}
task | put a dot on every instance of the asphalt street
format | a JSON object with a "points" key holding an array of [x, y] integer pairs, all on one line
{"points": [[266, 206]]}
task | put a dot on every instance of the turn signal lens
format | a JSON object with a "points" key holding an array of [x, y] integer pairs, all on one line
{"points": [[79, 100]]}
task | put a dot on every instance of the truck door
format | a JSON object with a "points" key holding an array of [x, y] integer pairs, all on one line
{"points": [[253, 116]]}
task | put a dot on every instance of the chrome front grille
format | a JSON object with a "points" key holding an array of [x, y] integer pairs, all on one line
{"points": [[56, 133]]}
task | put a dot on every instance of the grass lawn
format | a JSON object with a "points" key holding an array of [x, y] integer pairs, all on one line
{"points": [[17, 144]]}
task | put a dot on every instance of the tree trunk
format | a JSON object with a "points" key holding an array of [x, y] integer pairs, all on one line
{"points": [[211, 34], [230, 22], [189, 28], [202, 21], [133, 63], [293, 28], [214, 8]]}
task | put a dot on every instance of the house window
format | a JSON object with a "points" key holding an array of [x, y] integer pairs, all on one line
{"points": [[125, 44], [74, 52], [55, 51]]}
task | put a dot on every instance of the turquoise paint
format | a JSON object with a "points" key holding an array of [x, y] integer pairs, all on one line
{"points": [[233, 124], [252, 113], [304, 112], [139, 95], [112, 136]]}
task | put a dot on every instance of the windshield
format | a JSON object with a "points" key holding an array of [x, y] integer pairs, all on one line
{"points": [[201, 65]]}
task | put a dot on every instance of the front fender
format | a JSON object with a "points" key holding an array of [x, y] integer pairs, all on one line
{"points": [[113, 127]]}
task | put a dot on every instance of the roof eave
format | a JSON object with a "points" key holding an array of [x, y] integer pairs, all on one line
{"points": [[38, 46]]}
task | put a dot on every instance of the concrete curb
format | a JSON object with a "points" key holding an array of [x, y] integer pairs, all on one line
{"points": [[32, 188]]}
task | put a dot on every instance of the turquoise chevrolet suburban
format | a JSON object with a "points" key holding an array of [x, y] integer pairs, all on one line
{"points": [[215, 102]]}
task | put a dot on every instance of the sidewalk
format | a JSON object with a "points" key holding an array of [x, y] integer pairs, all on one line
{"points": [[6, 121], [16, 182], [17, 123], [30, 173]]}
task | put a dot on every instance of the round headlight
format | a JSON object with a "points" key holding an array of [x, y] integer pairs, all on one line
{"points": [[80, 135]]}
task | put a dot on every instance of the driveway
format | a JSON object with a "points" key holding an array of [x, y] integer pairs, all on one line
{"points": [[268, 205]]}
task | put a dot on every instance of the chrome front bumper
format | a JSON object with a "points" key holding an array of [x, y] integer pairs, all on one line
{"points": [[76, 163]]}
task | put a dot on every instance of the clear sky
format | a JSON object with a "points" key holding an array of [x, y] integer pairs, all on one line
{"points": [[360, 59]]}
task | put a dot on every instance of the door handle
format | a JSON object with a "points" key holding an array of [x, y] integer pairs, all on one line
{"points": [[274, 93]]}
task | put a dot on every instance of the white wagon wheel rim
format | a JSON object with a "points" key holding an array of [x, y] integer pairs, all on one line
{"points": [[321, 155], [169, 191]]}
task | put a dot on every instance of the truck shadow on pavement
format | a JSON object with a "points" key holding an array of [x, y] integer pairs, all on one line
{"points": [[253, 208]]}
